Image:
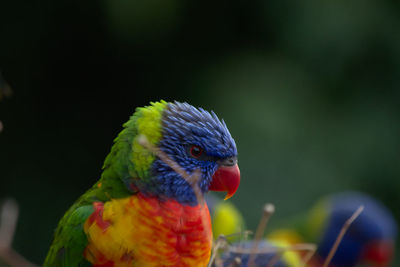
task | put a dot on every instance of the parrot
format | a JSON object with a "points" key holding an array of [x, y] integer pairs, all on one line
{"points": [[141, 212], [368, 242], [226, 219]]}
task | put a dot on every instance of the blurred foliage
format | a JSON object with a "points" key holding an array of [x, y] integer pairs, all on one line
{"points": [[309, 90]]}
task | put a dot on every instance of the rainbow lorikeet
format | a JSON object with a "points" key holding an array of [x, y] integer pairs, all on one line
{"points": [[142, 212], [369, 241]]}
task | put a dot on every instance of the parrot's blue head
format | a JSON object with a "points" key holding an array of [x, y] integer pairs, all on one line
{"points": [[196, 140], [370, 238]]}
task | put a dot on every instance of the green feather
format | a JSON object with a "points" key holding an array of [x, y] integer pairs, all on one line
{"points": [[71, 240], [120, 167]]}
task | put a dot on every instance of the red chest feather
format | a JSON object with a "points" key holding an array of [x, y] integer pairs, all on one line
{"points": [[142, 231]]}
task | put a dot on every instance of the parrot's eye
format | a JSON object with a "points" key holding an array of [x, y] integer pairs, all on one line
{"points": [[196, 151]]}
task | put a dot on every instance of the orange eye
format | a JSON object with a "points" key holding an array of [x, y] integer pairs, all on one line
{"points": [[196, 151]]}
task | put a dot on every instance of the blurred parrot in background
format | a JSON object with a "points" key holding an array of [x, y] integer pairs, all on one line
{"points": [[369, 241], [226, 219], [141, 212]]}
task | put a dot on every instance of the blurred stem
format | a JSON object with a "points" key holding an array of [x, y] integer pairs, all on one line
{"points": [[341, 234], [268, 210], [9, 218]]}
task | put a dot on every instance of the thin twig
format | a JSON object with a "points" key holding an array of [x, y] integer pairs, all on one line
{"points": [[268, 210], [245, 237], [241, 235], [192, 179], [143, 141], [274, 260], [339, 238], [221, 242], [311, 248], [271, 249]]}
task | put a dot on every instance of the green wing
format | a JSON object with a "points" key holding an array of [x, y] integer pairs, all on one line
{"points": [[70, 240]]}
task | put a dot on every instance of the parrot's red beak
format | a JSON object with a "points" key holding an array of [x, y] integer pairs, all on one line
{"points": [[226, 178], [379, 253]]}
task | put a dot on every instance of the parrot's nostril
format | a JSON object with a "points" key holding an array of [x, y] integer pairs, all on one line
{"points": [[228, 161]]}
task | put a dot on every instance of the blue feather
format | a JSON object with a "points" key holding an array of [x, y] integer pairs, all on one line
{"points": [[374, 223], [184, 125]]}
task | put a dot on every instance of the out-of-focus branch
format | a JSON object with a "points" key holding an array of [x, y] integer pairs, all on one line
{"points": [[220, 243], [341, 234], [8, 222], [192, 179], [268, 210]]}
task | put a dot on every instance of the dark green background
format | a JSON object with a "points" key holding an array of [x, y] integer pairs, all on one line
{"points": [[309, 90]]}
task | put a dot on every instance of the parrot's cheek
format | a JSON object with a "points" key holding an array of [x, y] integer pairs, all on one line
{"points": [[227, 179], [379, 253]]}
